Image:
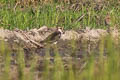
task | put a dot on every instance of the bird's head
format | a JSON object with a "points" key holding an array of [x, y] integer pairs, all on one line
{"points": [[60, 29]]}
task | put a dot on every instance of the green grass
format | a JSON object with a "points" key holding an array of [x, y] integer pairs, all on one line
{"points": [[98, 67], [35, 16]]}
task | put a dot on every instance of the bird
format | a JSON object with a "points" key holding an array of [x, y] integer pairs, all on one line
{"points": [[53, 37]]}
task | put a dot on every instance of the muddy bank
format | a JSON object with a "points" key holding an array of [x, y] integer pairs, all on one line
{"points": [[32, 38], [72, 46], [82, 40]]}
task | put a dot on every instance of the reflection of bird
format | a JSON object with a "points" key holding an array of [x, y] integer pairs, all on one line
{"points": [[54, 37]]}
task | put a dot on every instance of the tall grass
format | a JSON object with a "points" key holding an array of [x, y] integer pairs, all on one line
{"points": [[104, 66], [57, 14]]}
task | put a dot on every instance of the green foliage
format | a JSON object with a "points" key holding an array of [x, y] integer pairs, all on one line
{"points": [[58, 14], [104, 67], [100, 67]]}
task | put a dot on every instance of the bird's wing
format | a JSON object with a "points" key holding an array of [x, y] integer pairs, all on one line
{"points": [[52, 37]]}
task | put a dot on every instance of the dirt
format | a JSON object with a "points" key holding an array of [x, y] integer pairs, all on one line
{"points": [[72, 46]]}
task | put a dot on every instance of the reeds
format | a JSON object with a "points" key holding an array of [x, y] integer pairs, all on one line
{"points": [[103, 66]]}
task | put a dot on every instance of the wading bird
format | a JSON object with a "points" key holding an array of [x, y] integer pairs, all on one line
{"points": [[53, 37]]}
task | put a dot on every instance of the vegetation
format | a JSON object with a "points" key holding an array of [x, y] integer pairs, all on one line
{"points": [[103, 66], [29, 14]]}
